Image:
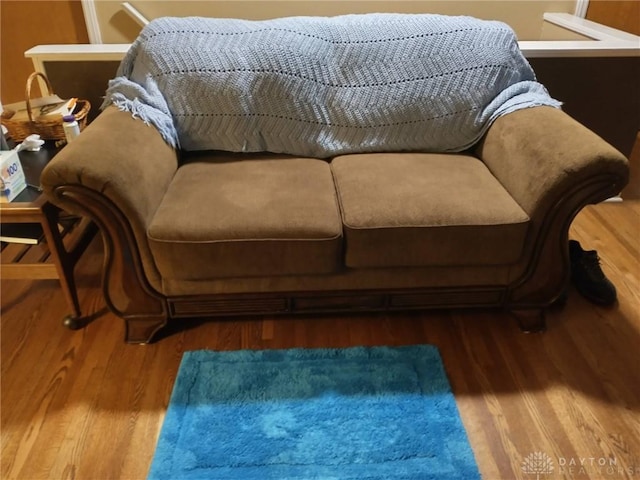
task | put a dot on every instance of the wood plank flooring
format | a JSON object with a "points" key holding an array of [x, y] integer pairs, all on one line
{"points": [[84, 405]]}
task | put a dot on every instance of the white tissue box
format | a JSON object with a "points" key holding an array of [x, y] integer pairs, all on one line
{"points": [[13, 181]]}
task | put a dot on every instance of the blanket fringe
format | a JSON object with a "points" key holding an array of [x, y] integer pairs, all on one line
{"points": [[131, 97]]}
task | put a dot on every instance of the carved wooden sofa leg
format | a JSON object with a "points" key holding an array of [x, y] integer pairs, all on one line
{"points": [[530, 320], [141, 330]]}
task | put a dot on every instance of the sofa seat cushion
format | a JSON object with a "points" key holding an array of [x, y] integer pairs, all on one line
{"points": [[233, 215], [419, 209]]}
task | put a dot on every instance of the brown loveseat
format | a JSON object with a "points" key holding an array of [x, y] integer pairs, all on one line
{"points": [[222, 234]]}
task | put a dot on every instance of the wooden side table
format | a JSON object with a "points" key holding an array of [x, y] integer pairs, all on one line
{"points": [[65, 237]]}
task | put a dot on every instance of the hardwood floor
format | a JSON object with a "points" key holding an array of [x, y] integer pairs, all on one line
{"points": [[84, 405]]}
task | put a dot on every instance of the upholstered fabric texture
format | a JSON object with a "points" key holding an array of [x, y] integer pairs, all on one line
{"points": [[412, 209], [227, 215], [349, 279], [128, 163], [538, 153]]}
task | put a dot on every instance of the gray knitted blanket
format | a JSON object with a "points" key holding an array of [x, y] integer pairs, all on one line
{"points": [[323, 86]]}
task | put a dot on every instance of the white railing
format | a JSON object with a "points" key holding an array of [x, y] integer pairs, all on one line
{"points": [[606, 42]]}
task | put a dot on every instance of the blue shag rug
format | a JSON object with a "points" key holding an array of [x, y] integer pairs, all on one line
{"points": [[365, 413]]}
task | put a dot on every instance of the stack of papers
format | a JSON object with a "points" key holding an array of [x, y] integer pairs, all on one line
{"points": [[42, 109]]}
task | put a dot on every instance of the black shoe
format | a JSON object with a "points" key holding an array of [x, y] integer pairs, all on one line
{"points": [[588, 278]]}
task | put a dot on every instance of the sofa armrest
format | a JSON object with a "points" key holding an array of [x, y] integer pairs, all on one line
{"points": [[541, 155], [116, 172], [553, 167]]}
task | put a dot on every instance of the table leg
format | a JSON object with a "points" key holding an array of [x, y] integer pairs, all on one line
{"points": [[65, 261]]}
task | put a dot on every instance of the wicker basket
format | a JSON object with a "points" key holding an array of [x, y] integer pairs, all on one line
{"points": [[47, 128]]}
